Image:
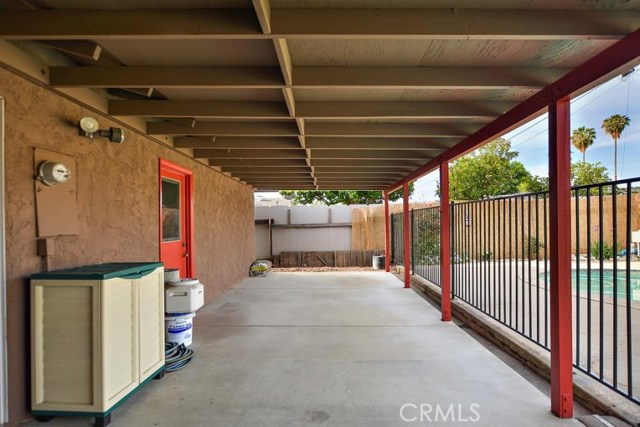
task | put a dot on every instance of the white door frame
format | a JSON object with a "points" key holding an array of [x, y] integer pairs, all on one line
{"points": [[4, 391]]}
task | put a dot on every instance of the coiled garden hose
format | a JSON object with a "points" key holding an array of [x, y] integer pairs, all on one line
{"points": [[176, 356]]}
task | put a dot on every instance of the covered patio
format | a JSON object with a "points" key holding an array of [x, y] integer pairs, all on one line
{"points": [[333, 349], [292, 94]]}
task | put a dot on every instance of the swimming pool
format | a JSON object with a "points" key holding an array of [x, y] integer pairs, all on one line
{"points": [[607, 281]]}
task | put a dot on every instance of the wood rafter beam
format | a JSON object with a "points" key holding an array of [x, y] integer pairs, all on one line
{"points": [[199, 109], [254, 143], [305, 77], [329, 186], [453, 23], [129, 24], [456, 24], [308, 181], [356, 163], [203, 153], [247, 129], [402, 109], [168, 77], [264, 163], [375, 154], [265, 170], [395, 130], [81, 48], [320, 110], [274, 174], [337, 169], [263, 11], [334, 143]]}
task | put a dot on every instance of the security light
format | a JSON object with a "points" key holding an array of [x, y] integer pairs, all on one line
{"points": [[89, 128]]}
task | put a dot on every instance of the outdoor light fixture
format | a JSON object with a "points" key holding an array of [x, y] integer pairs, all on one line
{"points": [[89, 128]]}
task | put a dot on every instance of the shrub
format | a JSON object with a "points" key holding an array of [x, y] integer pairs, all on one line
{"points": [[607, 250]]}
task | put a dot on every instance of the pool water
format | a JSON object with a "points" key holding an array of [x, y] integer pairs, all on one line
{"points": [[607, 282]]}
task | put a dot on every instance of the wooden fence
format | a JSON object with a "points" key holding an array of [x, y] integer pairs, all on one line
{"points": [[516, 222]]}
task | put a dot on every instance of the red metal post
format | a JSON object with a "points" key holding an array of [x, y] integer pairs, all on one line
{"points": [[560, 259], [445, 239], [387, 234], [405, 233]]}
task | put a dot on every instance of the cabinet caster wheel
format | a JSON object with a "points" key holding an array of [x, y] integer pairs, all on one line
{"points": [[44, 418], [159, 375]]}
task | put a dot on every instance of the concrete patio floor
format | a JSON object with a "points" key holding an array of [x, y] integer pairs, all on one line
{"points": [[332, 349]]}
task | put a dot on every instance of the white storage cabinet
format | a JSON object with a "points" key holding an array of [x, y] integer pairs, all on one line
{"points": [[97, 335]]}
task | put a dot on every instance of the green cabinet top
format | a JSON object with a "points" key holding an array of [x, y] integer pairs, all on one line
{"points": [[109, 270]]}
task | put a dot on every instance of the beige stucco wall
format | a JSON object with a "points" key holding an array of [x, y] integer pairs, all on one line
{"points": [[118, 210]]}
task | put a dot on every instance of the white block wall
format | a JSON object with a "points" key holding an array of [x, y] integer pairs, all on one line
{"points": [[287, 239]]}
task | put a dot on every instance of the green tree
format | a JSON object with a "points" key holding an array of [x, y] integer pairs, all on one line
{"points": [[490, 171], [614, 126], [533, 184], [345, 197], [582, 138], [583, 173]]}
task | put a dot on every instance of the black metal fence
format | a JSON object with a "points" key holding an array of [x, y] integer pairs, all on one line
{"points": [[499, 258], [425, 250], [397, 239]]}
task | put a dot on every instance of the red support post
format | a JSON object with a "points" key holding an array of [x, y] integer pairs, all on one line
{"points": [[405, 233], [387, 234], [445, 240], [560, 259]]}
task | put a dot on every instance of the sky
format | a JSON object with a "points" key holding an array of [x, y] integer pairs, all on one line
{"points": [[617, 96]]}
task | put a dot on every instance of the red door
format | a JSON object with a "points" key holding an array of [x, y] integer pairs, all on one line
{"points": [[176, 218]]}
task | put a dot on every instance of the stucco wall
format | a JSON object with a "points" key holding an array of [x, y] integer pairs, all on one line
{"points": [[118, 210]]}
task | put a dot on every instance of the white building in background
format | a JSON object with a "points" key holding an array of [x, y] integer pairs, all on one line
{"points": [[270, 199]]}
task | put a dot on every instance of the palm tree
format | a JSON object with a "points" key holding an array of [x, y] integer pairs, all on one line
{"points": [[614, 126], [582, 138]]}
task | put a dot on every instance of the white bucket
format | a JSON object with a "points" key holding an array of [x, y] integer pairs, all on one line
{"points": [[171, 274], [179, 328]]}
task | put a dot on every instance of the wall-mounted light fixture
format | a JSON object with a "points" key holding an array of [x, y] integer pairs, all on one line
{"points": [[89, 128]]}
